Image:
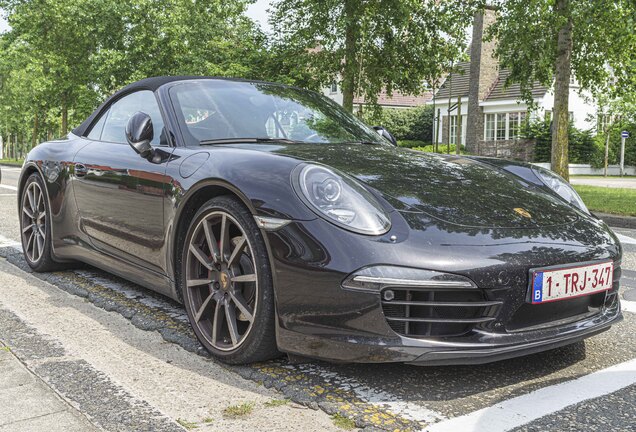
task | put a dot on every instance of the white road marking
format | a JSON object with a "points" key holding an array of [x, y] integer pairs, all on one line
{"points": [[11, 195], [628, 306], [5, 169], [13, 188], [7, 242], [625, 239], [521, 410]]}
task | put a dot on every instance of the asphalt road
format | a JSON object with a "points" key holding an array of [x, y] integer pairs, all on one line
{"points": [[126, 358]]}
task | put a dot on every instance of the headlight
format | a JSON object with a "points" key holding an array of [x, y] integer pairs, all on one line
{"points": [[341, 200], [561, 187]]}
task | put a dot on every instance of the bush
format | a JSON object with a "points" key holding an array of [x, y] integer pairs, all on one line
{"points": [[413, 143], [442, 148], [408, 124], [615, 145], [583, 148]]}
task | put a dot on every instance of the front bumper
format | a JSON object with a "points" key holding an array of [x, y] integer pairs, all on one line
{"points": [[317, 317], [488, 348]]}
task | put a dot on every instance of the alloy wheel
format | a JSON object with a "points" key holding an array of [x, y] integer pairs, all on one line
{"points": [[222, 281], [33, 222]]}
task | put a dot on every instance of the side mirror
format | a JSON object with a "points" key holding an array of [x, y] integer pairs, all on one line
{"points": [[139, 133], [386, 134]]}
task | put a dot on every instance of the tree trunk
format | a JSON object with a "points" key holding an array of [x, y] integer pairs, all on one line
{"points": [[437, 126], [606, 160], [36, 130], [64, 117], [350, 63], [434, 120], [448, 126], [458, 144], [560, 162]]}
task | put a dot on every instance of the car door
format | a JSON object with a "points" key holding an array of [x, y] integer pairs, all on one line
{"points": [[120, 195]]}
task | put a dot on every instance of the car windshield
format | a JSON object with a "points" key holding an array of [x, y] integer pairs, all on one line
{"points": [[219, 111]]}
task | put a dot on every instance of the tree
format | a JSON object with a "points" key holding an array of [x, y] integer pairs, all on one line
{"points": [[370, 45], [553, 41], [61, 58]]}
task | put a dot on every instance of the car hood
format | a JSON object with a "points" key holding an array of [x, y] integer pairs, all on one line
{"points": [[455, 189]]}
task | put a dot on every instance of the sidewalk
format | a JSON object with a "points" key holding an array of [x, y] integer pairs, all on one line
{"points": [[609, 182], [28, 404]]}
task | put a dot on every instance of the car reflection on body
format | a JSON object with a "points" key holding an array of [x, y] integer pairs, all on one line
{"points": [[285, 225]]}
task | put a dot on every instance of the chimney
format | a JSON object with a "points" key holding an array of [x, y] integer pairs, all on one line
{"points": [[484, 70]]}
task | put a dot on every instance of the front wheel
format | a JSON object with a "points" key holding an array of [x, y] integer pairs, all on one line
{"points": [[226, 283]]}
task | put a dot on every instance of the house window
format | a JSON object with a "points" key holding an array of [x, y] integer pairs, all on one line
{"points": [[489, 127], [504, 126], [453, 129], [501, 126], [334, 88], [513, 125]]}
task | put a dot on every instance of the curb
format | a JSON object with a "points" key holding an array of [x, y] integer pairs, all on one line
{"points": [[617, 221], [11, 165]]}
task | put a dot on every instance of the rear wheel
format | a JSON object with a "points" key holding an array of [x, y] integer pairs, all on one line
{"points": [[227, 283], [35, 226]]}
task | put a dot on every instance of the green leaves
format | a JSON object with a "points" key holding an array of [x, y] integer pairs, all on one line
{"points": [[66, 56], [560, 41], [604, 39], [400, 45]]}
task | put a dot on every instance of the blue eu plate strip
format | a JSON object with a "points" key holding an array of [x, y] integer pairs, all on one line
{"points": [[537, 288]]}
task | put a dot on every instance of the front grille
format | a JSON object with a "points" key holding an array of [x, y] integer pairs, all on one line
{"points": [[532, 316], [433, 312], [537, 315]]}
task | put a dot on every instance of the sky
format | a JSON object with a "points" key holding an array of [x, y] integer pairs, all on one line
{"points": [[3, 24], [258, 12]]}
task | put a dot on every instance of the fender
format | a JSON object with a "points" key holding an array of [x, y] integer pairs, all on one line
{"points": [[182, 204]]}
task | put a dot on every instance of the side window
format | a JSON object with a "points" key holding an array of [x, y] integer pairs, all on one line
{"points": [[121, 111], [96, 132]]}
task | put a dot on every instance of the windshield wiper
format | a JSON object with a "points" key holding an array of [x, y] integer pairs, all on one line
{"points": [[250, 140]]}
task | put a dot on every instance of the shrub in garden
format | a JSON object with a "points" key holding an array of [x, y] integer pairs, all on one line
{"points": [[406, 124], [583, 146]]}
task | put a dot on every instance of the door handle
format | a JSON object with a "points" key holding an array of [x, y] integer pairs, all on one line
{"points": [[80, 170]]}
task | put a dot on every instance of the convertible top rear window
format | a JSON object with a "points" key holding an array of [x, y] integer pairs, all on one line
{"points": [[211, 110]]}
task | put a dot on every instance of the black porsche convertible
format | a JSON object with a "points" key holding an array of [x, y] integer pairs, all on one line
{"points": [[284, 224]]}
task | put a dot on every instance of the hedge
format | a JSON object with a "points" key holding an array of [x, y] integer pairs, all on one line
{"points": [[441, 148], [406, 124], [583, 146]]}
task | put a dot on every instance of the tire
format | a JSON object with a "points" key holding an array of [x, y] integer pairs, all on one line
{"points": [[35, 226], [226, 283]]}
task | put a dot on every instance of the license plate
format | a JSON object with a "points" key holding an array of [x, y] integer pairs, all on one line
{"points": [[562, 283]]}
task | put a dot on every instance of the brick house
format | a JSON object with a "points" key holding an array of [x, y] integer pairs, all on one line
{"points": [[492, 114]]}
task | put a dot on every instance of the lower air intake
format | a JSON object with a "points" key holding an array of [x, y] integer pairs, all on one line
{"points": [[415, 312]]}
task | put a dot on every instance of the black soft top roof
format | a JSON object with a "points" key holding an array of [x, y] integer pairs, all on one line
{"points": [[151, 84]]}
